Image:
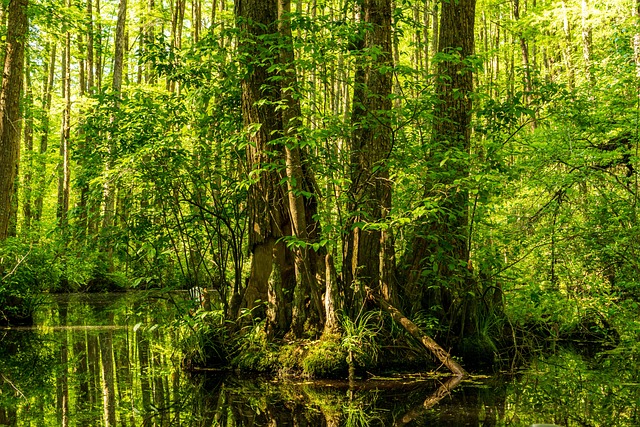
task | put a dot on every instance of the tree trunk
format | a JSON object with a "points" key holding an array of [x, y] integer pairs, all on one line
{"points": [[63, 167], [90, 47], [438, 276], [306, 258], [49, 76], [10, 115], [27, 211], [587, 39], [118, 65], [526, 66], [636, 37], [370, 257], [99, 47], [268, 220]]}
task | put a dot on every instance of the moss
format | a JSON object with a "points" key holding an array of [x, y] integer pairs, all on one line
{"points": [[326, 359], [290, 357]]}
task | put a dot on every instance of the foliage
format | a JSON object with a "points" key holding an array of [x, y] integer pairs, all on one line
{"points": [[360, 337], [550, 179], [325, 358], [26, 271], [252, 351]]}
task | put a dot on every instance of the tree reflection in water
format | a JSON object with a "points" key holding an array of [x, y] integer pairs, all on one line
{"points": [[114, 360]]}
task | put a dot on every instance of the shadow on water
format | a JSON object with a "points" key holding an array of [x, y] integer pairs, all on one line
{"points": [[114, 359]]}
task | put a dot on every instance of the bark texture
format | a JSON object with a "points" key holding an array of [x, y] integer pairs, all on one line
{"points": [[10, 115], [438, 277], [369, 256], [268, 219]]}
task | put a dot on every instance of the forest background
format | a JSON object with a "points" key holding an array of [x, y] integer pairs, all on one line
{"points": [[474, 165]]}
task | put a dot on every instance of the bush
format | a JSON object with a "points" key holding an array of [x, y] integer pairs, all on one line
{"points": [[24, 272]]}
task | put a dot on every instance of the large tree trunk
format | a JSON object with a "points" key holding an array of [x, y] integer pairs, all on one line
{"points": [[438, 277], [268, 219], [369, 253], [10, 115]]}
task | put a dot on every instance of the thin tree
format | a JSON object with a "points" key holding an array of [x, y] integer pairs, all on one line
{"points": [[47, 85], [118, 66], [64, 179]]}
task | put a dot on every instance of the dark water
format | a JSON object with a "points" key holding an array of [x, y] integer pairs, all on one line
{"points": [[96, 360]]}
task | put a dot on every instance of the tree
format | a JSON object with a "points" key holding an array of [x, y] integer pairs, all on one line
{"points": [[442, 240], [10, 115], [268, 218], [369, 253], [64, 178]]}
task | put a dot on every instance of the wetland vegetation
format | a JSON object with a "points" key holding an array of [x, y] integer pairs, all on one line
{"points": [[337, 194]]}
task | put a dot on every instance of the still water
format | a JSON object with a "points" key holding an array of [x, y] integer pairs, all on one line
{"points": [[114, 360]]}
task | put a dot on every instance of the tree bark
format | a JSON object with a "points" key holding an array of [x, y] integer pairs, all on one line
{"points": [[306, 258], [49, 79], [369, 251], [65, 135], [27, 205], [438, 276], [268, 220], [10, 115]]}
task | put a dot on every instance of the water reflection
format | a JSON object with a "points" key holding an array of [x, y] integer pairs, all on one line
{"points": [[107, 360]]}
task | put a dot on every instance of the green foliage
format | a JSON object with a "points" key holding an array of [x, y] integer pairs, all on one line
{"points": [[360, 337], [326, 358], [26, 270], [253, 351], [204, 340]]}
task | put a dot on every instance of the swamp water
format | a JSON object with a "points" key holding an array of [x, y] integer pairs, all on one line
{"points": [[110, 359]]}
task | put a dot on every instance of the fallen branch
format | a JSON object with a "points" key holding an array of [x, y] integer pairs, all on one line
{"points": [[426, 340], [16, 266], [13, 386]]}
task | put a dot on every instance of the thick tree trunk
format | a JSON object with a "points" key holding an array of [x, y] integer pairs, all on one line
{"points": [[10, 115], [369, 253], [437, 263], [268, 219]]}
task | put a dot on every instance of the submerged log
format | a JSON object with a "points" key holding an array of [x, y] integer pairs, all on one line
{"points": [[439, 352]]}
